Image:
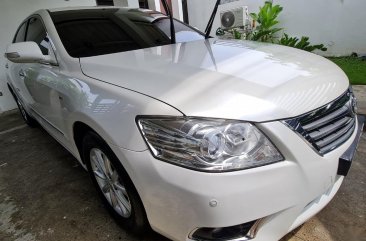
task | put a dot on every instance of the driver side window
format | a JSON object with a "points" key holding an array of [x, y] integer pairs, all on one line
{"points": [[38, 34]]}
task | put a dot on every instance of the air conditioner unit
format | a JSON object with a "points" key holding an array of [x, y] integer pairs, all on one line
{"points": [[234, 18]]}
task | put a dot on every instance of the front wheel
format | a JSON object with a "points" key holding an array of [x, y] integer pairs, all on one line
{"points": [[114, 185]]}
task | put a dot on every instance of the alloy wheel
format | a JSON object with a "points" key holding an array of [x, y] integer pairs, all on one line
{"points": [[110, 183]]}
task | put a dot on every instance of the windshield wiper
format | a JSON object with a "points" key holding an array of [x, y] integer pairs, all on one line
{"points": [[172, 28], [212, 18]]}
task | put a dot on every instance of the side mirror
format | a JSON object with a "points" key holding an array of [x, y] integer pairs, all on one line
{"points": [[26, 52]]}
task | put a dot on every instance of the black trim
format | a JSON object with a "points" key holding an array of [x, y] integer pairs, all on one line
{"points": [[237, 232], [345, 161], [143, 4], [105, 3], [26, 30], [170, 14], [185, 11], [212, 18]]}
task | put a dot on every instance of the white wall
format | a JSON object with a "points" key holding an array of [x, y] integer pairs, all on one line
{"points": [[126, 3], [339, 24], [177, 9], [154, 4], [12, 12]]}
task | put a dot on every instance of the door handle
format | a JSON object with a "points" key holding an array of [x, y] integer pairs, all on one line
{"points": [[7, 65], [21, 73]]}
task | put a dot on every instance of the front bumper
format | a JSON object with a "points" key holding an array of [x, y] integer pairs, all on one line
{"points": [[285, 194]]}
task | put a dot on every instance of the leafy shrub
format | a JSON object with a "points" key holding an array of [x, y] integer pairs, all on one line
{"points": [[234, 32], [302, 43], [266, 30], [267, 20]]}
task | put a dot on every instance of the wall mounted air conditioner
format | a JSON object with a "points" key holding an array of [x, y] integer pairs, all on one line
{"points": [[234, 18]]}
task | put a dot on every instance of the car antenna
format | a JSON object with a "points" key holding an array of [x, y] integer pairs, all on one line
{"points": [[172, 28], [212, 18]]}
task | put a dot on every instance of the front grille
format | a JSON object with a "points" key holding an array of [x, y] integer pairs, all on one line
{"points": [[329, 126]]}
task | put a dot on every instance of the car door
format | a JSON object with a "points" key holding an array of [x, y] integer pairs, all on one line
{"points": [[41, 82], [15, 74]]}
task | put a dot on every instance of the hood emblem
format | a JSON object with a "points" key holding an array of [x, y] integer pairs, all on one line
{"points": [[353, 105]]}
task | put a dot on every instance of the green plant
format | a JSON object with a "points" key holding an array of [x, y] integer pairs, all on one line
{"points": [[302, 43], [266, 18], [354, 67], [234, 32], [237, 34], [266, 30], [220, 32]]}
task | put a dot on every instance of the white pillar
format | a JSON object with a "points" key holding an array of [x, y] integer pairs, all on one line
{"points": [[177, 9], [176, 5], [126, 3], [154, 5]]}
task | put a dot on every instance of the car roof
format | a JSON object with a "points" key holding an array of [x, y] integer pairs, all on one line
{"points": [[80, 8], [74, 13]]}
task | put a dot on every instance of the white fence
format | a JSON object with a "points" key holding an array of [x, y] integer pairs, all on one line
{"points": [[339, 24]]}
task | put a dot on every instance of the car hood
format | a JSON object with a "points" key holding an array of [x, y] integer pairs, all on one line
{"points": [[225, 79]]}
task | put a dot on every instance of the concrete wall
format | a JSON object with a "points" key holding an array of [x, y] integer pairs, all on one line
{"points": [[126, 3], [176, 7], [12, 12], [154, 4], [339, 24]]}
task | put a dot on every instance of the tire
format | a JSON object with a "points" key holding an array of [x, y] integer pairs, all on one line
{"points": [[29, 120], [126, 207]]}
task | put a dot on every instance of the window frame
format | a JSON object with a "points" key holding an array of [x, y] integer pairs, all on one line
{"points": [[52, 46], [45, 30], [183, 23], [18, 29]]}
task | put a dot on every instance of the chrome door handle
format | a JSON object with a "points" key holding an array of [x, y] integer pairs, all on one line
{"points": [[21, 73]]}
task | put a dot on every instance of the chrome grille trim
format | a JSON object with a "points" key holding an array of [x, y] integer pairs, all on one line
{"points": [[328, 127]]}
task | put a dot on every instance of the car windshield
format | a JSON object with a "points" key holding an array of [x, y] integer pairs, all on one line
{"points": [[92, 32]]}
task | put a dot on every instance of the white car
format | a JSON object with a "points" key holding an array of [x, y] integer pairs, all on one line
{"points": [[202, 139]]}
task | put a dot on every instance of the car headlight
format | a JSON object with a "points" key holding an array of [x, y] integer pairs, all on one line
{"points": [[212, 145]]}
